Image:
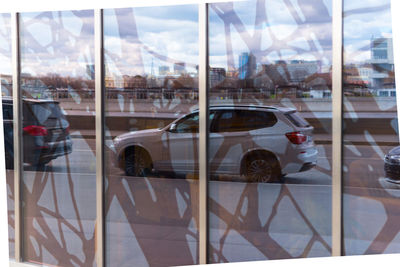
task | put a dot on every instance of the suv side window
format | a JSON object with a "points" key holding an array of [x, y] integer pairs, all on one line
{"points": [[243, 120], [190, 123]]}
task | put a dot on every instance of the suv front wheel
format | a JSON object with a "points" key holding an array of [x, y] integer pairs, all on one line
{"points": [[262, 168], [137, 162]]}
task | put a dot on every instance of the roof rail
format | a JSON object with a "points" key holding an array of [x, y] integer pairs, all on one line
{"points": [[240, 106]]}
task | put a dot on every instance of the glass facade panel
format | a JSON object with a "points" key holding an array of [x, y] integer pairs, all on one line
{"points": [[270, 136], [151, 146], [370, 131], [58, 138], [270, 142], [7, 106]]}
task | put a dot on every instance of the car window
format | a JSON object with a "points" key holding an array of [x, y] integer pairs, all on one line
{"points": [[296, 119], [243, 120], [45, 114], [190, 123], [7, 112]]}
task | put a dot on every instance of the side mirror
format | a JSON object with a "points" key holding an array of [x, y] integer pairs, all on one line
{"points": [[172, 128]]}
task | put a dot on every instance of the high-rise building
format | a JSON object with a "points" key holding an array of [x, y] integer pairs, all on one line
{"points": [[247, 65], [217, 75], [179, 67], [163, 70]]}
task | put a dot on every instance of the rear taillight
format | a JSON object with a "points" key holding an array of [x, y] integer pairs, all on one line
{"points": [[296, 138], [35, 130]]}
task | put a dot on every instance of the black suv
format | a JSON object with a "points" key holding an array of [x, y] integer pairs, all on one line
{"points": [[45, 132]]}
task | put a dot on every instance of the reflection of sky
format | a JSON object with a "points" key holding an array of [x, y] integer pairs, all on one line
{"points": [[300, 30], [5, 44], [62, 42], [171, 32], [357, 4], [57, 42], [360, 28]]}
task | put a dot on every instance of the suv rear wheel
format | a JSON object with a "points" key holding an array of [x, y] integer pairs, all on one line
{"points": [[262, 168], [137, 162]]}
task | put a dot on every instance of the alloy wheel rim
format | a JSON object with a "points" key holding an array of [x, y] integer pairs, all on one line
{"points": [[259, 171], [136, 165]]}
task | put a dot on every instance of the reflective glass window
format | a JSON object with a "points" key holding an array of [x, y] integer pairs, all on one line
{"points": [[370, 131], [7, 108], [58, 138], [270, 147], [151, 78]]}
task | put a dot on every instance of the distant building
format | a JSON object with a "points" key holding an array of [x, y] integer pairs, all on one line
{"points": [[247, 65], [109, 82], [293, 72], [6, 85], [357, 75], [299, 70], [136, 81], [179, 68], [382, 63], [217, 75], [319, 85], [163, 70], [90, 71]]}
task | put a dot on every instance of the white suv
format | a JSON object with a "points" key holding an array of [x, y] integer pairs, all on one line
{"points": [[262, 143]]}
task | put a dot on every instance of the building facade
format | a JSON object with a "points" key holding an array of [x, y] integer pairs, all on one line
{"points": [[257, 131]]}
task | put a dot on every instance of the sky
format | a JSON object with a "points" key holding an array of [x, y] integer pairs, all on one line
{"points": [[360, 28], [139, 40], [5, 44]]}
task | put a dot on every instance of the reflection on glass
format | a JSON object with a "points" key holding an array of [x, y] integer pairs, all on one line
{"points": [[270, 134], [152, 136], [58, 137], [7, 106], [371, 193]]}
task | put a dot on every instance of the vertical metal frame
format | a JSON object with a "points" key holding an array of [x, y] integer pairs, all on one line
{"points": [[17, 126], [337, 101], [99, 102], [203, 133]]}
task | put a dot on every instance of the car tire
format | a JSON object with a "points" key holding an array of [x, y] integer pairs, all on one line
{"points": [[137, 162], [261, 168], [40, 167]]}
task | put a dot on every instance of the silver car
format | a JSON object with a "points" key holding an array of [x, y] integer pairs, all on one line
{"points": [[260, 143]]}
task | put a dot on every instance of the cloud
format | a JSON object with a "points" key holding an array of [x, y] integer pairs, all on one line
{"points": [[47, 46], [130, 31], [5, 64], [360, 4], [280, 28]]}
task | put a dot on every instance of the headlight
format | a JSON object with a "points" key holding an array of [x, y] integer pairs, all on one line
{"points": [[394, 159]]}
